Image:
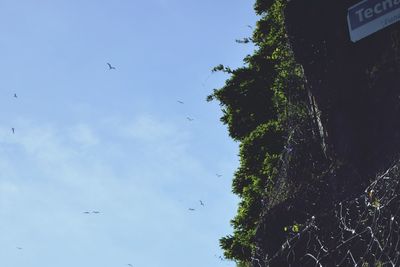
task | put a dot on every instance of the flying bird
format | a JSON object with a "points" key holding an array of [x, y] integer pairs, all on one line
{"points": [[86, 212], [180, 102], [218, 175], [19, 248], [189, 119], [110, 67], [201, 203], [15, 95], [13, 130], [191, 209], [250, 27], [96, 212], [130, 264], [219, 257]]}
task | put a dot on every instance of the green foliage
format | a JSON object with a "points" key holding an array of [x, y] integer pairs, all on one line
{"points": [[295, 228], [256, 101], [244, 264], [257, 159], [376, 204], [243, 41], [222, 68], [245, 99], [262, 5]]}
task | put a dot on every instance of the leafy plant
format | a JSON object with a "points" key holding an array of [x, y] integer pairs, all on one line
{"points": [[256, 102]]}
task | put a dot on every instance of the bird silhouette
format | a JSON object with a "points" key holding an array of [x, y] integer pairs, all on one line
{"points": [[201, 203], [191, 209], [189, 119], [15, 95], [19, 248], [218, 175], [86, 212], [130, 264], [13, 130], [180, 102], [110, 67], [96, 212]]}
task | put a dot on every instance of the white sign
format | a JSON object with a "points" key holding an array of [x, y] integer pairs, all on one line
{"points": [[370, 16]]}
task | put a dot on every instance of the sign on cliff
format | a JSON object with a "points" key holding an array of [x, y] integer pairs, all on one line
{"points": [[370, 16]]}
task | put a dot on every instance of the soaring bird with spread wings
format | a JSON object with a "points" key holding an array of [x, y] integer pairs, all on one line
{"points": [[110, 67]]}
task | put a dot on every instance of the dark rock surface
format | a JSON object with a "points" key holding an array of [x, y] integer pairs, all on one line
{"points": [[356, 93]]}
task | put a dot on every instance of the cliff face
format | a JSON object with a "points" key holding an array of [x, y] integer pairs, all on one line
{"points": [[355, 85], [355, 101]]}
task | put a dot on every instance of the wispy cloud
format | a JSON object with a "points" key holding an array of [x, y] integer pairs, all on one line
{"points": [[83, 135], [149, 129], [142, 180]]}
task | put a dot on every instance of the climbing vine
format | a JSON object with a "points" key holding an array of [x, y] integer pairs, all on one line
{"points": [[259, 101]]}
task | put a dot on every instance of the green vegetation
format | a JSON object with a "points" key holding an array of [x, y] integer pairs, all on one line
{"points": [[260, 101]]}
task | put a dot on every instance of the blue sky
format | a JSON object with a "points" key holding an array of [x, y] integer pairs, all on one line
{"points": [[116, 141]]}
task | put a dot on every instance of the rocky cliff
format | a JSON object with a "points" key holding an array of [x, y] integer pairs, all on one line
{"points": [[341, 204]]}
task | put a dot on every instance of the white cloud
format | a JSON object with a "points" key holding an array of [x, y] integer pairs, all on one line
{"points": [[149, 129], [84, 135], [135, 172]]}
